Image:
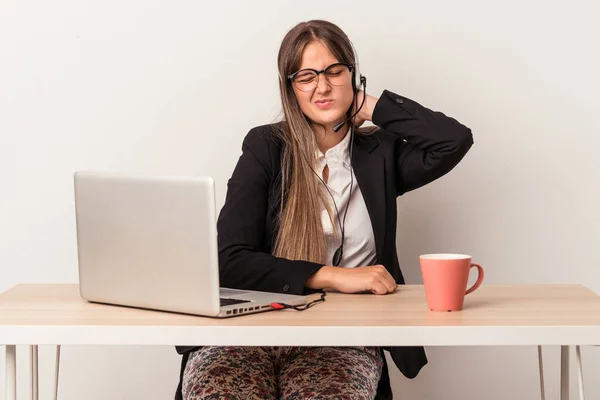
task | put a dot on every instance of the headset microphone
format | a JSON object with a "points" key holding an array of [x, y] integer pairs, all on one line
{"points": [[363, 83]]}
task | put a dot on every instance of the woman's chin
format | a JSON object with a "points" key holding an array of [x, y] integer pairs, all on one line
{"points": [[327, 120]]}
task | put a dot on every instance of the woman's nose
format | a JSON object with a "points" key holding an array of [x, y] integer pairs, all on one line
{"points": [[322, 84]]}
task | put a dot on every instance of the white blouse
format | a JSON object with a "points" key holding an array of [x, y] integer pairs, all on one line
{"points": [[359, 242]]}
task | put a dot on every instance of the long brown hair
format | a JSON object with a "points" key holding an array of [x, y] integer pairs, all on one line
{"points": [[300, 233]]}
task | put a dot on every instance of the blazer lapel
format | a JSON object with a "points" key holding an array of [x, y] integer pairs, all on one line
{"points": [[369, 169]]}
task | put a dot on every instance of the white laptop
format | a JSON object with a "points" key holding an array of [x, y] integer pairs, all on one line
{"points": [[151, 242]]}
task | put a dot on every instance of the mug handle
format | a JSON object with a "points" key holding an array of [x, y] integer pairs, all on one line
{"points": [[479, 278]]}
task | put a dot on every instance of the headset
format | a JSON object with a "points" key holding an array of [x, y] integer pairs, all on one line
{"points": [[358, 81]]}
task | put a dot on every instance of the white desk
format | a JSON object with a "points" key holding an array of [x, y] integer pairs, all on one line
{"points": [[494, 315]]}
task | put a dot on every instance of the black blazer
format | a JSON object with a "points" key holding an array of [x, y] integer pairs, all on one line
{"points": [[413, 147]]}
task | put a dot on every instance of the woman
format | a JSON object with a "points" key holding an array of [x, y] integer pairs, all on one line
{"points": [[311, 205]]}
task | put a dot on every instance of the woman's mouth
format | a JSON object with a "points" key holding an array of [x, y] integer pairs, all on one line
{"points": [[324, 104]]}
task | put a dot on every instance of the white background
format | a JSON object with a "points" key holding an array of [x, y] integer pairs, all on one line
{"points": [[173, 87]]}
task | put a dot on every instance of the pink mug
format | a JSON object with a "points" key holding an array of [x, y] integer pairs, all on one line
{"points": [[445, 278]]}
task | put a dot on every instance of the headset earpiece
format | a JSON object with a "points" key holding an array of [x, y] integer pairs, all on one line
{"points": [[357, 78]]}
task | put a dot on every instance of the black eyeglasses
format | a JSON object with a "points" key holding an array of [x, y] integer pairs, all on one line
{"points": [[307, 79]]}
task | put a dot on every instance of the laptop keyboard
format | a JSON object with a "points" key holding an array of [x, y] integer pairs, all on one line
{"points": [[229, 302], [231, 292]]}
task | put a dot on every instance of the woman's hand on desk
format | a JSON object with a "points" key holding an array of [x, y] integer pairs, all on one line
{"points": [[375, 279]]}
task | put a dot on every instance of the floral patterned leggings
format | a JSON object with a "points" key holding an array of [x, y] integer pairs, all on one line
{"points": [[290, 373]]}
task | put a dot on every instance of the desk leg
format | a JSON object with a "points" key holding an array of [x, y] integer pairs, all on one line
{"points": [[56, 370], [580, 373], [11, 372], [541, 372], [33, 355], [564, 372]]}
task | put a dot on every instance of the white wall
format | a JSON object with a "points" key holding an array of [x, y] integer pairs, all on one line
{"points": [[173, 87]]}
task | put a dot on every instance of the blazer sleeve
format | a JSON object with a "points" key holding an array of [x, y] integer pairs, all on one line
{"points": [[430, 143], [243, 263]]}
